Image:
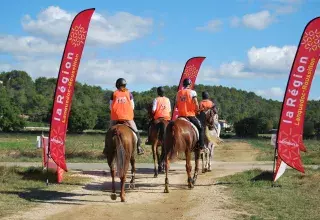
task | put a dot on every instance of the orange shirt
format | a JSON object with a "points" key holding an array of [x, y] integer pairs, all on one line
{"points": [[185, 104], [121, 108], [205, 104], [163, 108]]}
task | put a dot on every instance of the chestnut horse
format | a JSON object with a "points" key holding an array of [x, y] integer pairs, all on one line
{"points": [[120, 144], [156, 134], [181, 136]]}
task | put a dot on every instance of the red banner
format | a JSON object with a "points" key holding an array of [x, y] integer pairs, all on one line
{"points": [[290, 132], [65, 85], [191, 70]]}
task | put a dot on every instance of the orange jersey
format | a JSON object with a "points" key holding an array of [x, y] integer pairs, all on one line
{"points": [[121, 108], [163, 108], [205, 104], [185, 104]]}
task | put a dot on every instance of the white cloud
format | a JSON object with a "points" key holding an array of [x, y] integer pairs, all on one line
{"points": [[259, 20], [262, 62], [211, 26], [119, 28], [27, 45], [271, 58], [274, 92]]}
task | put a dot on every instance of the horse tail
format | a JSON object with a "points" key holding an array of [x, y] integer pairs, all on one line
{"points": [[121, 154], [167, 142], [173, 151]]}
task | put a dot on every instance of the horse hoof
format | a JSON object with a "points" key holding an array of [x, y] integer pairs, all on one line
{"points": [[166, 190], [113, 196], [123, 200], [203, 171], [190, 185], [131, 186], [209, 170], [155, 176]]}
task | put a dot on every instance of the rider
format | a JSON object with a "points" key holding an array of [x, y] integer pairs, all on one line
{"points": [[161, 108], [188, 106], [206, 103], [122, 106]]}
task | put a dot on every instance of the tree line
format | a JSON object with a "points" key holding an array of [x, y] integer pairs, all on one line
{"points": [[24, 101]]}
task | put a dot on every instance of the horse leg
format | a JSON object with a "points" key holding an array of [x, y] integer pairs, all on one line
{"points": [[133, 171], [206, 158], [160, 164], [123, 193], [154, 149], [210, 156], [166, 185], [202, 160], [113, 173], [189, 168], [196, 169]]}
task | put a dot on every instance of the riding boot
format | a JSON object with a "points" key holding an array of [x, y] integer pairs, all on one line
{"points": [[140, 150]]}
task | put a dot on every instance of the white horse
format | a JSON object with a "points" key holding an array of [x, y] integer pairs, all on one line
{"points": [[207, 155]]}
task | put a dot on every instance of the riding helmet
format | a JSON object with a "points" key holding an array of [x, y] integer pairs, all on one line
{"points": [[205, 95], [160, 91], [186, 82], [121, 82]]}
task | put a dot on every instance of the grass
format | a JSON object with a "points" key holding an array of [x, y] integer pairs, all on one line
{"points": [[296, 197], [312, 156], [21, 147], [24, 188]]}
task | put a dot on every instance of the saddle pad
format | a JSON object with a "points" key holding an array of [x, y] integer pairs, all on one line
{"points": [[194, 127]]}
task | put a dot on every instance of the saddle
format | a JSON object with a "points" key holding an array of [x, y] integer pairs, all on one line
{"points": [[128, 125], [193, 126]]}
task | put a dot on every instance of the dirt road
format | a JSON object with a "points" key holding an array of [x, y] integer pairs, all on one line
{"points": [[208, 200]]}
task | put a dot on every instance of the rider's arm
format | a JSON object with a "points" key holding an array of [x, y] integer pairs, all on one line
{"points": [[195, 100], [110, 102], [131, 100], [154, 105]]}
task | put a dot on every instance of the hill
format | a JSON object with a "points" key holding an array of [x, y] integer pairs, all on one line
{"points": [[21, 95]]}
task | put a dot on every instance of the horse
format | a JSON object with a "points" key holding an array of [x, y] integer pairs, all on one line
{"points": [[120, 144], [182, 136], [156, 133], [207, 155]]}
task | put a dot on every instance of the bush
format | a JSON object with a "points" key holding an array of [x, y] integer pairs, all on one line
{"points": [[247, 127]]}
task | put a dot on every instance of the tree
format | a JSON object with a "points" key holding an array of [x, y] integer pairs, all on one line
{"points": [[10, 119], [308, 129]]}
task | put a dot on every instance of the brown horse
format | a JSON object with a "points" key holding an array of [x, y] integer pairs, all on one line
{"points": [[120, 144], [180, 136], [156, 134]]}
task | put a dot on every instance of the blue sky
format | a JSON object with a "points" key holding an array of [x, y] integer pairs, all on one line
{"points": [[148, 42]]}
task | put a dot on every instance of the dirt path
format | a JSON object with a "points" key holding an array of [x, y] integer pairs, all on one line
{"points": [[147, 201]]}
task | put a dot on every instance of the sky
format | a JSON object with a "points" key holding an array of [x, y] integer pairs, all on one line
{"points": [[248, 44]]}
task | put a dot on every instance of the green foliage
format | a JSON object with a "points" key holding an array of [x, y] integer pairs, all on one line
{"points": [[10, 119], [308, 129], [247, 127], [90, 104]]}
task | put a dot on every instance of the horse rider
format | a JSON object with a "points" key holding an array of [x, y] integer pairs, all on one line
{"points": [[161, 108], [122, 107], [188, 106], [206, 104]]}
